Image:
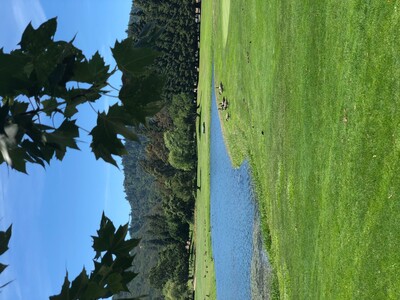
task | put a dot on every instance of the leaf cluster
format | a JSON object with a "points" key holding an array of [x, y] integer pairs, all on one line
{"points": [[47, 80], [4, 241], [112, 265]]}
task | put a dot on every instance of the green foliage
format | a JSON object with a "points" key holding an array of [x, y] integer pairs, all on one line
{"points": [[179, 139], [170, 266], [105, 134], [47, 78], [138, 95], [142, 85], [112, 265], [175, 291], [173, 167], [176, 42], [131, 59], [150, 220], [162, 206], [4, 240], [170, 190]]}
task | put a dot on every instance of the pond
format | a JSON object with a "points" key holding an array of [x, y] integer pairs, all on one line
{"points": [[241, 264]]}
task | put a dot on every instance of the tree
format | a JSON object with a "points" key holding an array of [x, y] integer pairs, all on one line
{"points": [[47, 78], [44, 81], [166, 265], [112, 265], [173, 290], [179, 139]]}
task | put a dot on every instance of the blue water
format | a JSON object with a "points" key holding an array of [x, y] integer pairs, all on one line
{"points": [[232, 218]]}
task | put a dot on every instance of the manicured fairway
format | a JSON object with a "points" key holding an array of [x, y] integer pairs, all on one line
{"points": [[314, 93], [204, 266]]}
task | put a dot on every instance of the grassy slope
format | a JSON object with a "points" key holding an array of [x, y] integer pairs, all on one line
{"points": [[321, 80], [204, 265]]}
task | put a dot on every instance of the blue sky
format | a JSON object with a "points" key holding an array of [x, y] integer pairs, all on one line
{"points": [[55, 211]]}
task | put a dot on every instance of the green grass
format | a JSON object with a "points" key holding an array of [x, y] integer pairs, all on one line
{"points": [[314, 92], [204, 265]]}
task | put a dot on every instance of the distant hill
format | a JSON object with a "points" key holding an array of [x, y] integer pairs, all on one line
{"points": [[160, 178], [142, 197]]}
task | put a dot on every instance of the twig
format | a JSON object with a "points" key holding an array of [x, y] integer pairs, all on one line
{"points": [[112, 87], [93, 108], [30, 101], [87, 131], [112, 96]]}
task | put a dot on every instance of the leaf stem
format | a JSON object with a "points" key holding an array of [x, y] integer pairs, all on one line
{"points": [[30, 101], [112, 87], [87, 131], [93, 108], [112, 96]]}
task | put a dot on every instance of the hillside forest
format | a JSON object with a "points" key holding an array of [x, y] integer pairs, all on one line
{"points": [[160, 171]]}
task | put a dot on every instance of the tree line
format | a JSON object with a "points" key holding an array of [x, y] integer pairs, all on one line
{"points": [[162, 201]]}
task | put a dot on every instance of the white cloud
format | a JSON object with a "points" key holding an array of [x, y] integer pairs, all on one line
{"points": [[25, 11]]}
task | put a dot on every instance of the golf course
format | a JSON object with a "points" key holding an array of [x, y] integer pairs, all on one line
{"points": [[313, 93]]}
